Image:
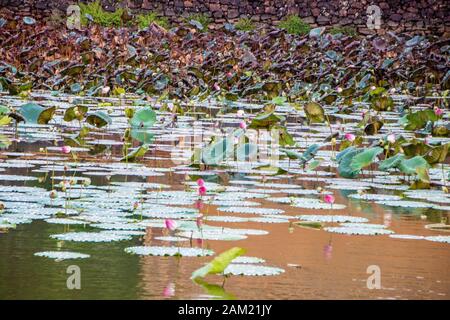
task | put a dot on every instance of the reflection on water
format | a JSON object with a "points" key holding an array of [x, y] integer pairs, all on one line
{"points": [[318, 264]]}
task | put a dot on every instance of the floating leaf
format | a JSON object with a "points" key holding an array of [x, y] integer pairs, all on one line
{"points": [[135, 154], [219, 263]]}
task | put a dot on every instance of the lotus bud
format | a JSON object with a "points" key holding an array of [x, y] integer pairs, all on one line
{"points": [[2, 206], [438, 111], [66, 149], [391, 138], [350, 137], [202, 190], [243, 125], [329, 198], [339, 90], [53, 194], [105, 90], [169, 291], [86, 182], [319, 189], [170, 224]]}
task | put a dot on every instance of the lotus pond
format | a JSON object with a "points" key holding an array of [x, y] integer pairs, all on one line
{"points": [[141, 200]]}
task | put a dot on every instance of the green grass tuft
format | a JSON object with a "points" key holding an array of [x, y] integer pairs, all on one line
{"points": [[245, 24], [346, 30], [144, 20], [294, 25], [200, 17], [100, 16]]}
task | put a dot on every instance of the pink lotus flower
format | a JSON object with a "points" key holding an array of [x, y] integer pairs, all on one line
{"points": [[202, 190], [199, 241], [243, 125], [350, 137], [201, 182], [66, 149], [216, 87], [169, 291], [339, 89], [438, 111], [391, 138], [329, 198], [170, 224]]}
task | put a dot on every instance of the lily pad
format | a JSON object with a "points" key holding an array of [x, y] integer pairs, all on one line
{"points": [[62, 255], [169, 251]]}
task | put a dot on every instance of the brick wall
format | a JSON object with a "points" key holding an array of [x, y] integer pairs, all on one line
{"points": [[399, 15]]}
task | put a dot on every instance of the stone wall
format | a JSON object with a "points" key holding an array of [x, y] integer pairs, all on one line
{"points": [[399, 15]]}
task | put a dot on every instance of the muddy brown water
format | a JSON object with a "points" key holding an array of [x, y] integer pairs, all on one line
{"points": [[318, 264]]}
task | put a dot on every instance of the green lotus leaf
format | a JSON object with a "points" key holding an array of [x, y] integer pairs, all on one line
{"points": [[345, 159], [35, 113], [142, 135], [409, 166], [418, 120], [314, 112], [365, 158], [437, 154], [136, 153], [4, 110], [75, 113], [98, 119], [391, 162], [373, 127], [284, 137], [143, 118], [265, 120], [219, 263]]}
